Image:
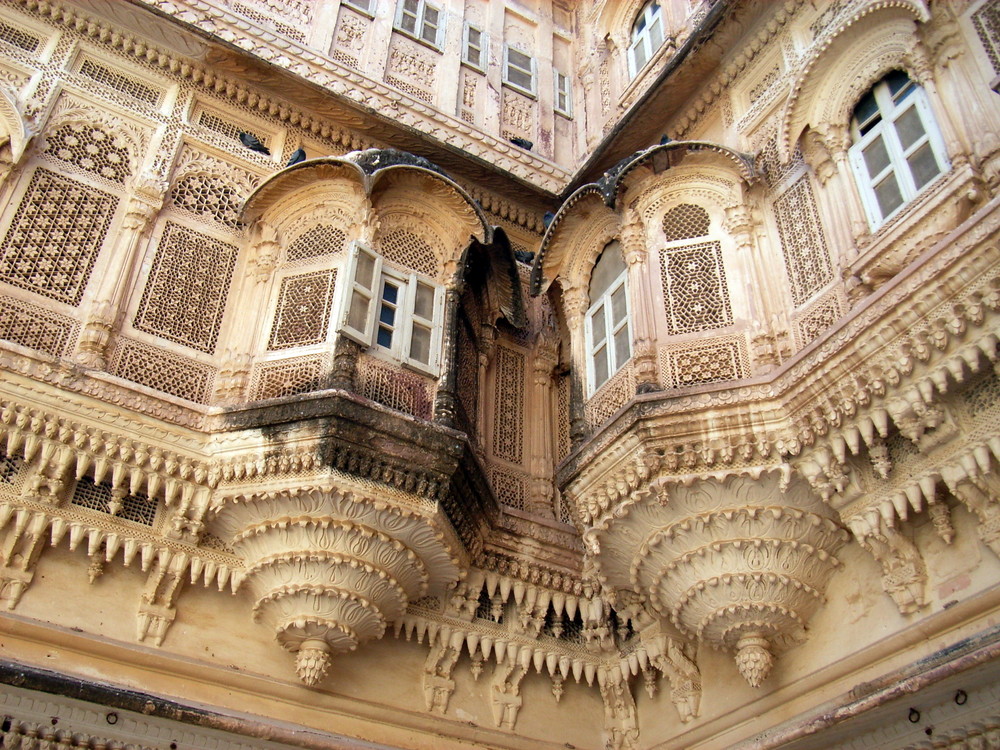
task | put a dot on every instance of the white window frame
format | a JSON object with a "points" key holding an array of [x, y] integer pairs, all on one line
{"points": [[562, 88], [365, 9], [420, 22], [891, 110], [643, 39], [406, 318], [620, 282], [483, 47], [533, 71]]}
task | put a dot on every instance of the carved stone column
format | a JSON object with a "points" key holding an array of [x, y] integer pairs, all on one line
{"points": [[836, 140], [575, 302], [445, 400], [633, 238], [819, 157], [104, 315], [541, 461], [921, 68]]}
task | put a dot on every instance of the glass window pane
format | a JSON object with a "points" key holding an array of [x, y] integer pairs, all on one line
{"points": [[519, 79], [600, 366], [597, 325], [923, 165], [619, 308], [655, 34], [888, 195], [866, 112], [390, 292], [623, 347], [358, 314], [408, 23], [518, 59], [423, 301], [909, 127], [387, 315], [876, 157], [897, 80], [639, 53], [420, 344], [384, 337], [364, 270]]}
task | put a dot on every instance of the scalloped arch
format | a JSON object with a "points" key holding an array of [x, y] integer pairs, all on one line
{"points": [[12, 123], [845, 65]]}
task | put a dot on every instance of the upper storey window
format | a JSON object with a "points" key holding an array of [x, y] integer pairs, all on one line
{"points": [[396, 313], [897, 148], [608, 339], [647, 36], [474, 47], [519, 70], [421, 20]]}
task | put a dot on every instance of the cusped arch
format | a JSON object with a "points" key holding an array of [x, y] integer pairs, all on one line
{"points": [[876, 37], [12, 125], [120, 135]]}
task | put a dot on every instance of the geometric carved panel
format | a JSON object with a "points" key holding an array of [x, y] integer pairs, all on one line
{"points": [[987, 23], [685, 222], [313, 243], [211, 197], [709, 361], [35, 327], [508, 421], [694, 288], [162, 370], [55, 236], [303, 310], [136, 508], [395, 387], [802, 240], [185, 296], [820, 317], [408, 250], [289, 377], [91, 149]]}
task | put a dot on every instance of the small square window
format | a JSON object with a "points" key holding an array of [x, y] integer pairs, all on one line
{"points": [[474, 47], [365, 6], [421, 20], [563, 101], [519, 70]]}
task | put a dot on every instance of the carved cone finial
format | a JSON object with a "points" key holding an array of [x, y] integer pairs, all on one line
{"points": [[753, 659], [312, 662]]}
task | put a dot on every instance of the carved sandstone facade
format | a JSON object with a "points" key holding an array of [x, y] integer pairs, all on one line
{"points": [[608, 375]]}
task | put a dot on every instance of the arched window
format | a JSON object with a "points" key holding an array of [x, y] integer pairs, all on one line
{"points": [[609, 341], [897, 150], [647, 36]]}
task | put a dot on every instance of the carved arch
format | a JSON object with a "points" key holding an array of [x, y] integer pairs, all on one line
{"points": [[130, 137], [846, 64], [12, 125]]}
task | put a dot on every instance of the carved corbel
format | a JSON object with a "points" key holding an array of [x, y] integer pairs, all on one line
{"points": [[19, 554], [903, 572], [145, 202], [818, 155], [157, 606], [233, 378], [675, 659], [438, 684], [505, 693], [633, 240], [619, 713], [981, 497]]}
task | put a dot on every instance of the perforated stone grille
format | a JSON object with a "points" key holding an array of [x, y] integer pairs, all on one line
{"points": [[211, 541], [770, 165], [694, 288], [227, 128], [563, 442], [611, 397], [35, 327], [135, 508], [415, 91], [408, 250], [508, 423], [268, 20], [121, 82], [802, 240], [509, 488], [19, 37], [9, 469], [685, 222], [711, 361], [209, 197], [55, 237], [289, 377], [162, 370], [987, 23], [90, 148], [395, 387], [468, 378], [766, 81], [821, 316], [316, 242], [185, 297], [303, 312]]}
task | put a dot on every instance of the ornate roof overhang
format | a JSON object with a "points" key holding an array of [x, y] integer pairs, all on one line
{"points": [[608, 189]]}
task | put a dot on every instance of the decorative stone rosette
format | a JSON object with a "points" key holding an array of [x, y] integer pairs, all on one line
{"points": [[329, 569], [739, 564]]}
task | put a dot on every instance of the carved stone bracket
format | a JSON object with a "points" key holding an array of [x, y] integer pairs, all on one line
{"points": [[904, 574], [438, 685], [505, 693]]}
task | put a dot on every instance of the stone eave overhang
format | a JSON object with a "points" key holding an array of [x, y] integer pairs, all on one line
{"points": [[779, 416]]}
